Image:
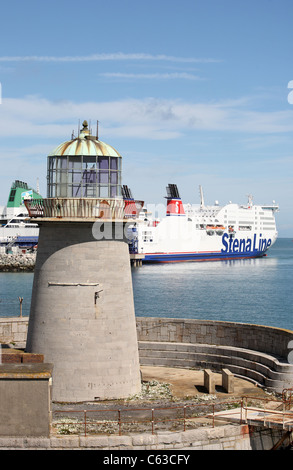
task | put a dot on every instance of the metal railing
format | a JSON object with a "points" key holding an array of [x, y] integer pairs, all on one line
{"points": [[130, 420], [175, 418], [97, 208]]}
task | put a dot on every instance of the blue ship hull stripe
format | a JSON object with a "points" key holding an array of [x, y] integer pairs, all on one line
{"points": [[204, 256]]}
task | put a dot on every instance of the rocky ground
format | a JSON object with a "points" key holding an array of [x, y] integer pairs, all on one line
{"points": [[170, 399], [17, 262]]}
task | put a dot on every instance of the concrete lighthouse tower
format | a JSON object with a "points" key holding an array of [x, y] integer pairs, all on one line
{"points": [[82, 312]]}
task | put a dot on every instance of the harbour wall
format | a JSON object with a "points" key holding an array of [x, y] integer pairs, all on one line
{"points": [[229, 437], [255, 352]]}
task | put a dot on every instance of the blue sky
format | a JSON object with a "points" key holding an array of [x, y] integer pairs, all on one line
{"points": [[190, 92]]}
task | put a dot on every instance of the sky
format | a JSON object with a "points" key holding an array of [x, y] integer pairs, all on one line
{"points": [[190, 92]]}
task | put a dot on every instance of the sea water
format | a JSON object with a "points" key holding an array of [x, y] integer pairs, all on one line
{"points": [[258, 291]]}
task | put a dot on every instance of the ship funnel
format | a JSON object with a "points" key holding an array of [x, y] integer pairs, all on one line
{"points": [[174, 202]]}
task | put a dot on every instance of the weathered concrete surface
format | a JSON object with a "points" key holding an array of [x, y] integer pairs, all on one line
{"points": [[82, 312], [25, 403], [187, 383], [229, 437]]}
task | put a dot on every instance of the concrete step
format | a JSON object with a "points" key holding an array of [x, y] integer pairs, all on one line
{"points": [[259, 367]]}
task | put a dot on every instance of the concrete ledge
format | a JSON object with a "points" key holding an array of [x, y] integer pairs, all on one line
{"points": [[226, 437]]}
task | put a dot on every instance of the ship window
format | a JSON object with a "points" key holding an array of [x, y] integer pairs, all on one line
{"points": [[12, 195]]}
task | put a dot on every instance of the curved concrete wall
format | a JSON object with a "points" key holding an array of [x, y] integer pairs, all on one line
{"points": [[256, 352], [82, 313]]}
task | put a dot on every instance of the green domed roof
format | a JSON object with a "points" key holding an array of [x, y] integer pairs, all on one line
{"points": [[85, 144]]}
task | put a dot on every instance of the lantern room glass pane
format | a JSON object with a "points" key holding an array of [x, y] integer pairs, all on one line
{"points": [[113, 191], [113, 177], [113, 163], [89, 176], [104, 191], [74, 163], [104, 163], [89, 162], [76, 177], [104, 177], [62, 162], [76, 190]]}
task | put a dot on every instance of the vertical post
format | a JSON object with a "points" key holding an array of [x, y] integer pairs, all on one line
{"points": [[184, 417], [119, 422], [153, 420], [85, 423], [20, 306]]}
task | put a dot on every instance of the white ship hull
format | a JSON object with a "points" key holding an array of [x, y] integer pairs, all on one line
{"points": [[202, 233]]}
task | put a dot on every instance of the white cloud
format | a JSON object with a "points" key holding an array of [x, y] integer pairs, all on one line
{"points": [[138, 118], [152, 76], [119, 56]]}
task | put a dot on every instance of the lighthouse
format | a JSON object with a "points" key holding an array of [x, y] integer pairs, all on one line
{"points": [[82, 311]]}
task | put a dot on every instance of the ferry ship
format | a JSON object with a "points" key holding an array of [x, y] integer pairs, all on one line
{"points": [[203, 233], [16, 230]]}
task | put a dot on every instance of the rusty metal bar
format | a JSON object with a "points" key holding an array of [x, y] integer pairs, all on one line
{"points": [[268, 415]]}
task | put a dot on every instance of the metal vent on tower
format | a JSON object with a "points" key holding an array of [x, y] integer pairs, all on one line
{"points": [[172, 191]]}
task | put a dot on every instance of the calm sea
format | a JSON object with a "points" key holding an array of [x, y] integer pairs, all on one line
{"points": [[256, 291]]}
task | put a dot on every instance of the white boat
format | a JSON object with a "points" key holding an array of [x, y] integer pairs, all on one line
{"points": [[16, 230], [203, 233]]}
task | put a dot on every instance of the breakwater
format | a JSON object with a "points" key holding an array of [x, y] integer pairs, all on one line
{"points": [[14, 262]]}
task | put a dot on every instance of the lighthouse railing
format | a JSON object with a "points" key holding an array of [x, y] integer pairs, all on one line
{"points": [[97, 208]]}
